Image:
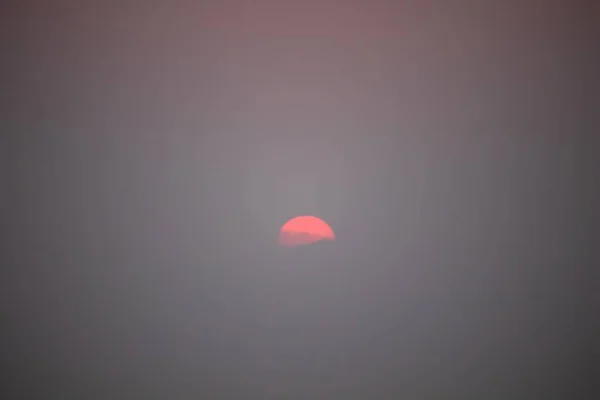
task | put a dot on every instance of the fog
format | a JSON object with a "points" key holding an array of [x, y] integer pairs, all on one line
{"points": [[158, 150]]}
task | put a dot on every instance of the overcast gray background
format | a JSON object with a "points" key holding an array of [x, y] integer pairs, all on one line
{"points": [[158, 149]]}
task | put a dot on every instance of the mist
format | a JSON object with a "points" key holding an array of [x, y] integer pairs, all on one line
{"points": [[154, 152]]}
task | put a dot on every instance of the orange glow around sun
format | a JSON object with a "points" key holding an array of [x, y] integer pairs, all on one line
{"points": [[304, 230]]}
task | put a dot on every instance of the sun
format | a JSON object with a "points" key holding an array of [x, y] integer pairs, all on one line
{"points": [[304, 229]]}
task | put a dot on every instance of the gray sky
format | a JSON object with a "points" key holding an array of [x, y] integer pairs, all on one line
{"points": [[158, 150]]}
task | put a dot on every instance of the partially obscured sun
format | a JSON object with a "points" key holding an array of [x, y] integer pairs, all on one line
{"points": [[304, 230]]}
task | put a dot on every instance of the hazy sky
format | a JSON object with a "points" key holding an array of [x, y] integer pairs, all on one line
{"points": [[157, 150]]}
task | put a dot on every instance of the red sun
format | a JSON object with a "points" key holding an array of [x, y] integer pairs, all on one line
{"points": [[304, 230]]}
